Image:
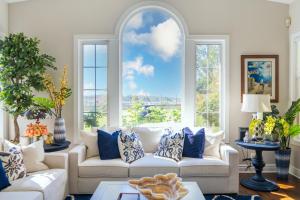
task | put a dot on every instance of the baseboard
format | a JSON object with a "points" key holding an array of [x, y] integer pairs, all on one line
{"points": [[269, 168], [294, 171]]}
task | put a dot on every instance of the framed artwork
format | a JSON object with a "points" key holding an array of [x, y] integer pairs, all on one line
{"points": [[259, 75]]}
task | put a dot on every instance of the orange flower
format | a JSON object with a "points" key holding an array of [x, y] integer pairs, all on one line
{"points": [[36, 129]]}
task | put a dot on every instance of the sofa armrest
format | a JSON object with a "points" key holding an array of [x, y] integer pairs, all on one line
{"points": [[76, 156], [229, 154], [56, 160]]}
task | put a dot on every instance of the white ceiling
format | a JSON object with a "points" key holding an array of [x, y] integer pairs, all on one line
{"points": [[278, 1]]}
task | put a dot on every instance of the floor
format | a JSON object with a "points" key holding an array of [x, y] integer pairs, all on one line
{"points": [[289, 190]]}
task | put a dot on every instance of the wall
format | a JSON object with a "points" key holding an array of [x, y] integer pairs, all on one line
{"points": [[3, 17], [254, 26], [295, 28]]}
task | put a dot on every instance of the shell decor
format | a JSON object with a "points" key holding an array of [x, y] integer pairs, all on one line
{"points": [[160, 187]]}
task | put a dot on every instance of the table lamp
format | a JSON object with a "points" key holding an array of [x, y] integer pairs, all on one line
{"points": [[257, 104]]}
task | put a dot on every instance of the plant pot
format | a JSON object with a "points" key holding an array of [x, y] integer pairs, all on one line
{"points": [[283, 158], [59, 131]]}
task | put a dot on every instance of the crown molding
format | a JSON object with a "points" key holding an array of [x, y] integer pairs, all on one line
{"points": [[14, 1], [283, 1]]}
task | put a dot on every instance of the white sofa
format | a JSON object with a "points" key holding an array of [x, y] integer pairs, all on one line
{"points": [[213, 174], [51, 184]]}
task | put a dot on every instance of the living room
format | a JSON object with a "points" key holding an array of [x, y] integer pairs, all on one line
{"points": [[98, 95]]}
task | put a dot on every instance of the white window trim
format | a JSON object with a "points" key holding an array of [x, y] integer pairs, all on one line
{"points": [[294, 74], [112, 75], [193, 40]]}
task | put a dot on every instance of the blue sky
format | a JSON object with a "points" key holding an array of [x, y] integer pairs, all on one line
{"points": [[152, 62]]}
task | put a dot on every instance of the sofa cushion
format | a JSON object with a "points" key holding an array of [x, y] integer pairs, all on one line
{"points": [[90, 141], [208, 166], [212, 143], [171, 145], [13, 162], [149, 137], [151, 165], [3, 178], [108, 145], [193, 143], [130, 146], [96, 168], [50, 182]]}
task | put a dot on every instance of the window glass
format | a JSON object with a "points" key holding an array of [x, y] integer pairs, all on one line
{"points": [[152, 69], [208, 66], [94, 85]]}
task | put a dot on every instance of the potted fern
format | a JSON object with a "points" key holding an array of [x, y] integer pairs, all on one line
{"points": [[284, 127]]}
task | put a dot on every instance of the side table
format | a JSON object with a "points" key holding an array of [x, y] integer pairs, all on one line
{"points": [[258, 182], [56, 147]]}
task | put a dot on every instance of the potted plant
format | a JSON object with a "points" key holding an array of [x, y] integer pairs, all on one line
{"points": [[283, 127], [58, 97], [21, 73]]}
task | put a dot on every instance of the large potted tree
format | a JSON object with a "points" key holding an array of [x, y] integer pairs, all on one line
{"points": [[21, 73]]}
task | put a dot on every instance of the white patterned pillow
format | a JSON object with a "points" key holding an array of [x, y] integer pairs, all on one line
{"points": [[171, 145], [13, 164], [130, 146]]}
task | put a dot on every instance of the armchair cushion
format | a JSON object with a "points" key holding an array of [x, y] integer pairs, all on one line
{"points": [[52, 183]]}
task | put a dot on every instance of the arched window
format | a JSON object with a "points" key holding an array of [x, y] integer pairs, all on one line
{"points": [[152, 66]]}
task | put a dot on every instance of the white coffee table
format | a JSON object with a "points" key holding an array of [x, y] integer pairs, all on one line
{"points": [[110, 190]]}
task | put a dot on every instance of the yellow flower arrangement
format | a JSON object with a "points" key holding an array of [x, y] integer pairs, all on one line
{"points": [[269, 125], [285, 127], [58, 96]]}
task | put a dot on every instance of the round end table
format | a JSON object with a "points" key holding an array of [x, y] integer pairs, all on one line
{"points": [[56, 146], [258, 182]]}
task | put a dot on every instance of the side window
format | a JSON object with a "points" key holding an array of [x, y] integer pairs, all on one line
{"points": [[94, 85], [208, 82]]}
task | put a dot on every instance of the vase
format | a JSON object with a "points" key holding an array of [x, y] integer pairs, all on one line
{"points": [[59, 131], [283, 158]]}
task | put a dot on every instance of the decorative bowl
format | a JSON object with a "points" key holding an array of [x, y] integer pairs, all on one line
{"points": [[160, 187]]}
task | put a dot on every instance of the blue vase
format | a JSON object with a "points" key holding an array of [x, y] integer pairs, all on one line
{"points": [[283, 158], [59, 131]]}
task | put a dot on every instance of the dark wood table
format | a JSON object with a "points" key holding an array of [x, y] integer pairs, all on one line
{"points": [[56, 146], [258, 182]]}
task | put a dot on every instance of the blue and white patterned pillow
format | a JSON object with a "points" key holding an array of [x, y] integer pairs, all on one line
{"points": [[130, 147], [171, 145]]}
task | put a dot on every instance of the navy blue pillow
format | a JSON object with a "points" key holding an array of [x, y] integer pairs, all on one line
{"points": [[193, 144], [108, 145], [3, 178]]}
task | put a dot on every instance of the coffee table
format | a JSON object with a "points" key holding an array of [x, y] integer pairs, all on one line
{"points": [[110, 190]]}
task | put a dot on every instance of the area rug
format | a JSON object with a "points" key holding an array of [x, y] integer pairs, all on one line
{"points": [[207, 197]]}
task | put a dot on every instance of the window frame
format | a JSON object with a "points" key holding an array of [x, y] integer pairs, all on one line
{"points": [[115, 69], [222, 40]]}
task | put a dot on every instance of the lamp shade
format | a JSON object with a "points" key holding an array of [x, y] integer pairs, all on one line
{"points": [[256, 103]]}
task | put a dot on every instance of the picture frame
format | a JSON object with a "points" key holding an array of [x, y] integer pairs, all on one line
{"points": [[259, 75]]}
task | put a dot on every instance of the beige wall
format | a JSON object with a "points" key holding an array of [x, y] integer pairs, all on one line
{"points": [[254, 26], [3, 17]]}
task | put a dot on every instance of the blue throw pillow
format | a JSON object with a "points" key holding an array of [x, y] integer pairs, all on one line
{"points": [[193, 143], [108, 145], [3, 178]]}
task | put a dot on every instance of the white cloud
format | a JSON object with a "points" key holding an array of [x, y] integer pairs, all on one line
{"points": [[136, 21], [143, 93], [134, 38], [137, 66], [164, 39], [132, 85]]}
